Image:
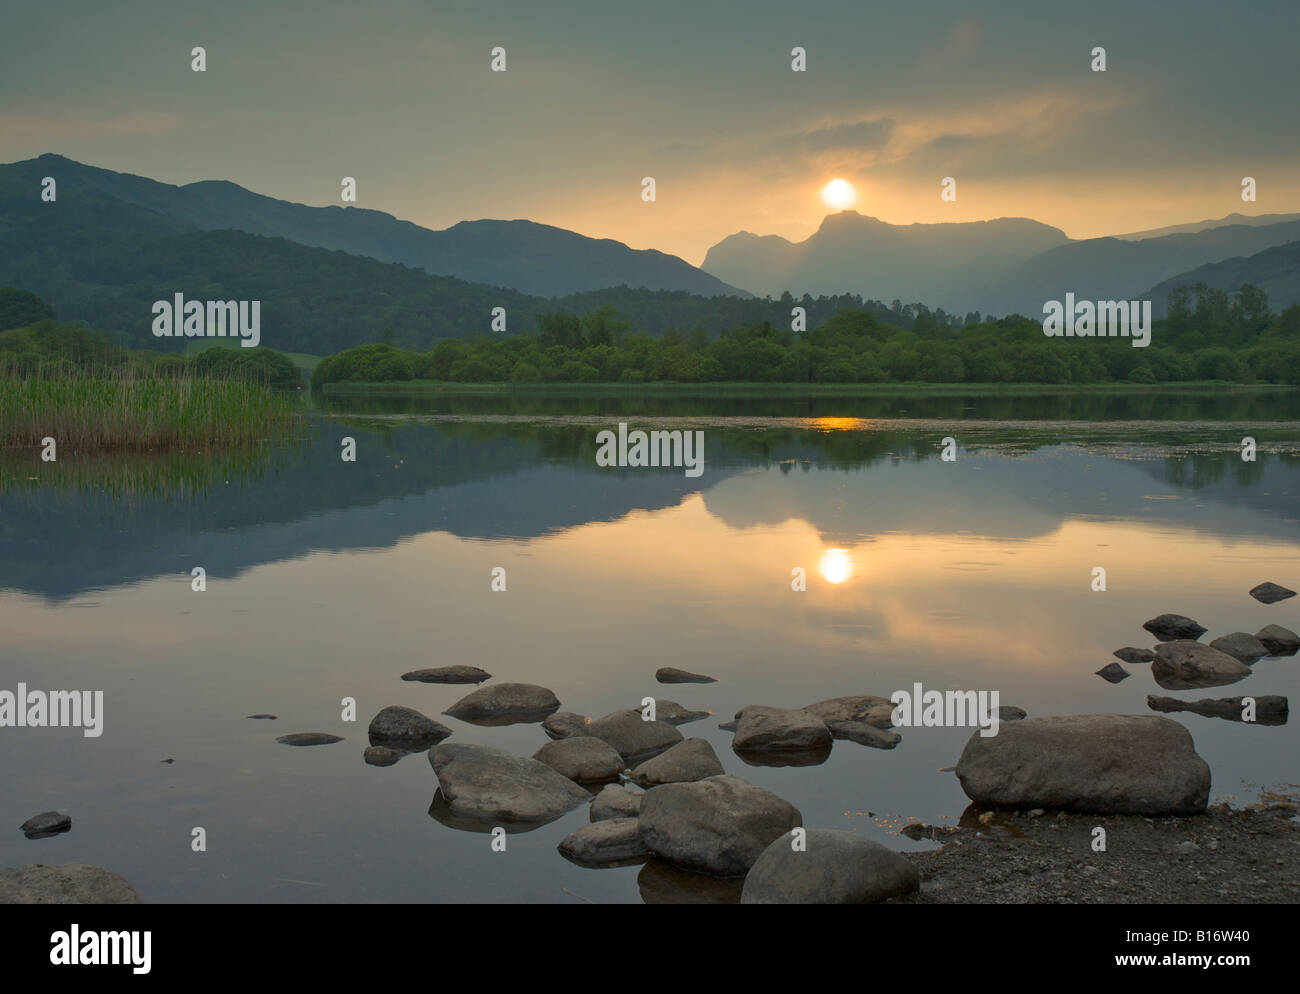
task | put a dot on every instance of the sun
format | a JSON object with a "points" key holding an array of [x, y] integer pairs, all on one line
{"points": [[839, 193], [835, 565]]}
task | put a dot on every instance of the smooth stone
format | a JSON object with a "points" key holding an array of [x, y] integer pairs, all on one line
{"points": [[267, 717], [1133, 655], [480, 782], [505, 704], [448, 674], [612, 842], [1009, 712], [875, 711], [381, 755], [1270, 593], [45, 824], [441, 811], [68, 883], [767, 729], [662, 883], [1278, 640], [718, 826], [1186, 664], [670, 674], [728, 726], [1270, 709], [864, 734], [836, 867], [1170, 627], [631, 735], [689, 760], [582, 758], [308, 739], [615, 801], [566, 724], [1241, 646], [406, 726], [1113, 673], [674, 714], [1102, 764], [775, 758]]}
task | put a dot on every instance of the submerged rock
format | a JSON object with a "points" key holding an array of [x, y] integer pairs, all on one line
{"points": [[582, 758], [69, 883], [1133, 655], [267, 717], [670, 674], [612, 842], [448, 674], [45, 824], [566, 724], [308, 739], [864, 734], [1241, 646], [615, 801], [1278, 640], [505, 704], [836, 867], [632, 736], [1102, 764], [662, 883], [761, 728], [1169, 627], [689, 760], [485, 783], [718, 826], [875, 711], [1113, 673], [1270, 709], [381, 755], [1270, 593], [1186, 664], [407, 727]]}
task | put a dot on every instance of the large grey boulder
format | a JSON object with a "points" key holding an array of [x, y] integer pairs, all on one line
{"points": [[1168, 627], [1102, 764], [611, 842], [760, 728], [406, 727], [485, 783], [875, 711], [834, 867], [1186, 664], [615, 801], [505, 704], [583, 758], [69, 883], [1278, 640], [692, 759], [1241, 646], [718, 826], [633, 736]]}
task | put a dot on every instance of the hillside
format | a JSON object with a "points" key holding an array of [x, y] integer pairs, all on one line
{"points": [[1276, 271]]}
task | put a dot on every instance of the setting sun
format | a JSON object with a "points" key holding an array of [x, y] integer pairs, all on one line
{"points": [[839, 193], [835, 565]]}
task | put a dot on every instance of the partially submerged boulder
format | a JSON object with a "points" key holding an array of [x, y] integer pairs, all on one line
{"points": [[1270, 593], [670, 674], [832, 867], [308, 739], [1133, 655], [398, 726], [632, 736], [689, 760], [566, 724], [1269, 709], [68, 883], [1113, 673], [760, 728], [864, 734], [675, 714], [484, 783], [1169, 627], [1185, 664], [505, 704], [612, 842], [448, 674], [1241, 646], [875, 711], [615, 801], [1278, 640], [582, 758]]}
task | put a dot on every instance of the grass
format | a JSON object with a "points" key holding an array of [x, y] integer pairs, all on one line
{"points": [[129, 409]]}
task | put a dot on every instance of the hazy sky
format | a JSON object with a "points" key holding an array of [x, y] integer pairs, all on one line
{"points": [[699, 95]]}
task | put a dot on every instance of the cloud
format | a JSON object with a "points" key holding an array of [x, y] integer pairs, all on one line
{"points": [[41, 130]]}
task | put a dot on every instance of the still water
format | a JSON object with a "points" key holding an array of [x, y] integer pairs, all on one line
{"points": [[328, 580]]}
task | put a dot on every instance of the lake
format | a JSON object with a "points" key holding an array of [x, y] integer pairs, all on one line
{"points": [[328, 580]]}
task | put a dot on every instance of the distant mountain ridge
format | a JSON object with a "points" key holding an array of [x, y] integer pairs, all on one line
{"points": [[1276, 271], [533, 258]]}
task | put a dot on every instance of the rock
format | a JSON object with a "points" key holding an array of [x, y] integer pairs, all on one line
{"points": [[674, 714], [670, 674], [689, 760], [864, 734], [728, 726], [1134, 655], [615, 801], [505, 704], [1009, 712], [718, 826], [480, 782], [1270, 593], [566, 724], [69, 883], [616, 841], [407, 727], [1241, 646], [268, 717], [1270, 709], [631, 736], [1168, 627], [45, 824], [381, 755], [1278, 640], [308, 739], [875, 711], [1102, 764], [837, 867], [583, 758], [1113, 673], [1186, 664], [766, 729], [448, 674], [662, 883]]}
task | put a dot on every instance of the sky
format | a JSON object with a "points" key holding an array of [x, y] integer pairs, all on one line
{"points": [[700, 95]]}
